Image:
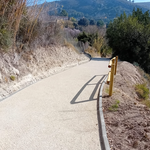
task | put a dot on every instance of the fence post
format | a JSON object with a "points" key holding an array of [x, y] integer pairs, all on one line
{"points": [[116, 64], [112, 77]]}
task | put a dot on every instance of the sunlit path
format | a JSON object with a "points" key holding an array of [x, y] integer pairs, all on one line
{"points": [[57, 113]]}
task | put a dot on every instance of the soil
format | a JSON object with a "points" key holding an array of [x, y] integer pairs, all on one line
{"points": [[128, 123]]}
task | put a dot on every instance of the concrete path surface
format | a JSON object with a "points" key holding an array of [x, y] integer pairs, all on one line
{"points": [[57, 113]]}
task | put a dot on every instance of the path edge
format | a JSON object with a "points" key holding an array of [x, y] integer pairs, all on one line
{"points": [[102, 128]]}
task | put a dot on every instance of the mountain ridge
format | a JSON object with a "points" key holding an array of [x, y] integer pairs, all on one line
{"points": [[96, 9]]}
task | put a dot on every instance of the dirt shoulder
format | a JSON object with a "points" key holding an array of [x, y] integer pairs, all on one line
{"points": [[127, 119]]}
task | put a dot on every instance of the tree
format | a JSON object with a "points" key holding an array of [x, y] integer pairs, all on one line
{"points": [[129, 37], [100, 23], [92, 22], [83, 22], [63, 13]]}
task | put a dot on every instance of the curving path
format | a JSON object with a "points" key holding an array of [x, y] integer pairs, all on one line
{"points": [[57, 113]]}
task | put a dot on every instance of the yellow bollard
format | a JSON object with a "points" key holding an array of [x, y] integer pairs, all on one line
{"points": [[112, 77], [109, 75], [116, 65]]}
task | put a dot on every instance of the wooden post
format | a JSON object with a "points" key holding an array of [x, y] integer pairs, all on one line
{"points": [[112, 77], [116, 65]]}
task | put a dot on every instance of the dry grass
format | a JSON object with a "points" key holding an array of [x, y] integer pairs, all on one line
{"points": [[92, 51], [12, 12], [146, 103], [69, 45], [142, 91]]}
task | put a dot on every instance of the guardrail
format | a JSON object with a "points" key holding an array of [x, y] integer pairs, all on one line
{"points": [[113, 65]]}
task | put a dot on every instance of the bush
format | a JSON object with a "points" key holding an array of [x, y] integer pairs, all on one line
{"points": [[12, 78], [142, 91]]}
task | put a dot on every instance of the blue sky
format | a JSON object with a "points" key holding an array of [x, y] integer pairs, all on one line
{"points": [[137, 1], [42, 1], [30, 2]]}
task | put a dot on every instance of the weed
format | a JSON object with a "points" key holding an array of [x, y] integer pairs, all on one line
{"points": [[107, 90], [146, 103], [12, 78], [142, 91], [115, 106]]}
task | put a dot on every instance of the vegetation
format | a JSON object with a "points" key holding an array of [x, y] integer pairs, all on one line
{"points": [[146, 103], [83, 22], [96, 40], [100, 23], [92, 22], [115, 106], [63, 13], [12, 78], [106, 10], [22, 27], [129, 37], [73, 19], [90, 38], [142, 91]]}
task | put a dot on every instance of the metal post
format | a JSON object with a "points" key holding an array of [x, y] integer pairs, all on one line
{"points": [[116, 65], [112, 77]]}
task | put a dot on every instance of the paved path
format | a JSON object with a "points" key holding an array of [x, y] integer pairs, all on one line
{"points": [[57, 113]]}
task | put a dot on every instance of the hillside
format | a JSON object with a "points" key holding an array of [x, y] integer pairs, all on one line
{"points": [[97, 9], [21, 70], [126, 116]]}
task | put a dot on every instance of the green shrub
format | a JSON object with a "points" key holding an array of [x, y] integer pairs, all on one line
{"points": [[115, 106], [142, 91], [5, 34], [12, 78]]}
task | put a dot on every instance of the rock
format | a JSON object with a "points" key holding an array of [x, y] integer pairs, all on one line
{"points": [[16, 71], [1, 79]]}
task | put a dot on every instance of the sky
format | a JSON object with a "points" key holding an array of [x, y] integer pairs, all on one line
{"points": [[42, 1], [30, 2], [139, 1]]}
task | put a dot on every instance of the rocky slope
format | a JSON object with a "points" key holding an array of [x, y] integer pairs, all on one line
{"points": [[22, 69]]}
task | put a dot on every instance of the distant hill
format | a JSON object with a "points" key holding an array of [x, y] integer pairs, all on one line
{"points": [[98, 9]]}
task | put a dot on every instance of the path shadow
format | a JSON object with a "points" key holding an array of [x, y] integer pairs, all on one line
{"points": [[91, 98]]}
